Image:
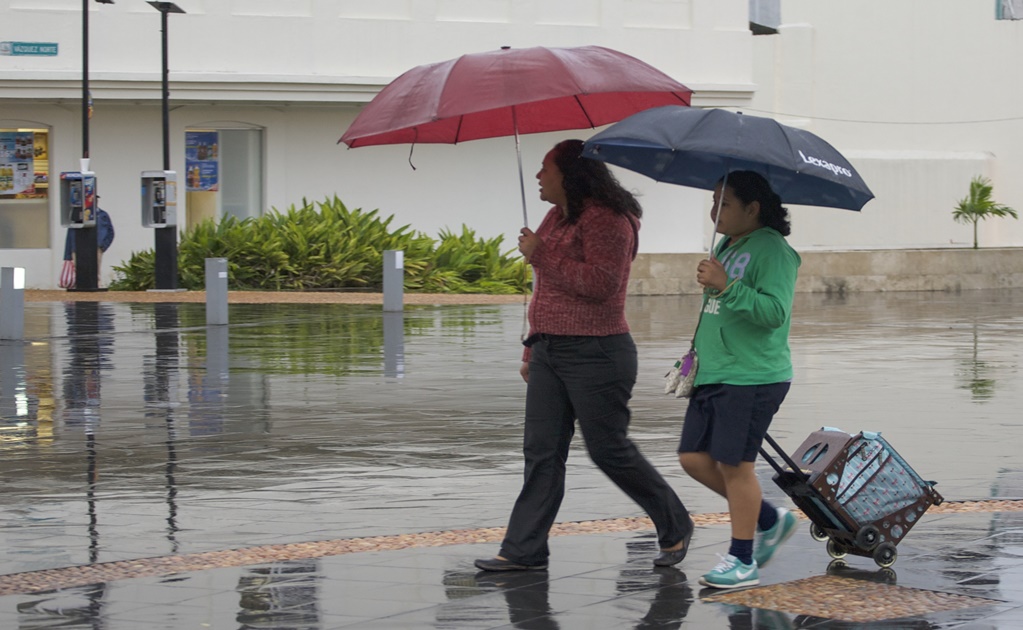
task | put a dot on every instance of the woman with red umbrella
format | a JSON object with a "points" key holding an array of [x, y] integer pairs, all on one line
{"points": [[580, 361]]}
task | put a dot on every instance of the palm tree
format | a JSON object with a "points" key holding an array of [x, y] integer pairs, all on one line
{"points": [[979, 205]]}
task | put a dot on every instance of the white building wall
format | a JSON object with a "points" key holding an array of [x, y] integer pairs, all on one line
{"points": [[918, 94], [921, 95]]}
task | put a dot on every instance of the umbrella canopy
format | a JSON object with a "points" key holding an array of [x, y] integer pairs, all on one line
{"points": [[697, 147], [512, 91]]}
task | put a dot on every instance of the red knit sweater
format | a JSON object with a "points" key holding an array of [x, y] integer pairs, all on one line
{"points": [[581, 272]]}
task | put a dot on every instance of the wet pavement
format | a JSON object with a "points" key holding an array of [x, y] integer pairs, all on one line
{"points": [[326, 466]]}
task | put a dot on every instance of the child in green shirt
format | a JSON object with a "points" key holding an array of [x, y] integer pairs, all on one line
{"points": [[745, 368]]}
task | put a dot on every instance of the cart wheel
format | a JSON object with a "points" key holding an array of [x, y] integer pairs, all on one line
{"points": [[836, 550], [817, 533], [885, 555], [867, 537]]}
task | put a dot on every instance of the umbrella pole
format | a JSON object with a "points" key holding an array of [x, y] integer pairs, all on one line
{"points": [[525, 223], [522, 181], [717, 215]]}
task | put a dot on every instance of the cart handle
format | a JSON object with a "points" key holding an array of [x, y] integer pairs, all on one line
{"points": [[788, 460]]}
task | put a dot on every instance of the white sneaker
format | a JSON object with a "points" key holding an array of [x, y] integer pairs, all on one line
{"points": [[731, 573]]}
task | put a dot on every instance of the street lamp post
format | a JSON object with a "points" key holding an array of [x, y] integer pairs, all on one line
{"points": [[86, 264], [166, 238]]}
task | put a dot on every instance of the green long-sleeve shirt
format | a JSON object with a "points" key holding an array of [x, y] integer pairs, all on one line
{"points": [[743, 335]]}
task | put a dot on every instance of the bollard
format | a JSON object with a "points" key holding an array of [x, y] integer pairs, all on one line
{"points": [[394, 279], [12, 303], [216, 291]]}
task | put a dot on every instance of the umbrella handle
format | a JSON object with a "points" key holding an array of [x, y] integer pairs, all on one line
{"points": [[522, 181]]}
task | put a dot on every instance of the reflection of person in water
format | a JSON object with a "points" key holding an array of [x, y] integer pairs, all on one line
{"points": [[671, 602], [746, 618], [527, 596]]}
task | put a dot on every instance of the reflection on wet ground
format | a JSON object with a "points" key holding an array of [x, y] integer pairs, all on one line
{"points": [[133, 431]]}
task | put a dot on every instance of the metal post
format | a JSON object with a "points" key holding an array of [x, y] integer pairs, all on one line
{"points": [[165, 91], [12, 303], [394, 279], [86, 267], [165, 238], [86, 259], [216, 291], [85, 79]]}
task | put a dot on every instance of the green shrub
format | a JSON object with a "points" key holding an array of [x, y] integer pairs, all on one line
{"points": [[467, 264], [327, 246], [137, 274]]}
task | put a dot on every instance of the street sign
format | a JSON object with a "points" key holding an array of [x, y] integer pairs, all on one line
{"points": [[38, 49]]}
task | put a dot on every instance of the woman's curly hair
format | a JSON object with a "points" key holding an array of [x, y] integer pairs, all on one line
{"points": [[586, 180]]}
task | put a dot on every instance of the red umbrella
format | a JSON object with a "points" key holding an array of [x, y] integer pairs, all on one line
{"points": [[510, 92]]}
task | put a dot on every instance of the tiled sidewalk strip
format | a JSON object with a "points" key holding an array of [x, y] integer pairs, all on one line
{"points": [[50, 579]]}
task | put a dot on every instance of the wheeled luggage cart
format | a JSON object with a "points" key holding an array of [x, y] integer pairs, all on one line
{"points": [[860, 495]]}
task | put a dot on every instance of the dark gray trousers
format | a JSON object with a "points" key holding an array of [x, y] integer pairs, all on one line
{"points": [[589, 379]]}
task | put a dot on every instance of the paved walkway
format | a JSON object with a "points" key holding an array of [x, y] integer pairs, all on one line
{"points": [[960, 566], [960, 572]]}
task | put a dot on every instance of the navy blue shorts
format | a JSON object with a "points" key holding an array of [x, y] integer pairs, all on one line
{"points": [[730, 421]]}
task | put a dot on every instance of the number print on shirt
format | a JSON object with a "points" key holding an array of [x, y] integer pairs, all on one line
{"points": [[735, 265]]}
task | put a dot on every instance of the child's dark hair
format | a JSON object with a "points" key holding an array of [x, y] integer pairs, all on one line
{"points": [[750, 186]]}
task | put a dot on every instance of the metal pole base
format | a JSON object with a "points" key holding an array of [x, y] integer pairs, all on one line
{"points": [[166, 265], [86, 265]]}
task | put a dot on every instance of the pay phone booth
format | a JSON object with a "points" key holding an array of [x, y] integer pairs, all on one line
{"points": [[159, 199], [78, 200]]}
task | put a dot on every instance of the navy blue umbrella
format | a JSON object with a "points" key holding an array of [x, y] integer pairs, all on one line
{"points": [[697, 147]]}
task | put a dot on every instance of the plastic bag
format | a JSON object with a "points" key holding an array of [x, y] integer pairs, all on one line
{"points": [[681, 377], [67, 275]]}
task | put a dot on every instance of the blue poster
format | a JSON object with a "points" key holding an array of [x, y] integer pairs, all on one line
{"points": [[201, 165]]}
